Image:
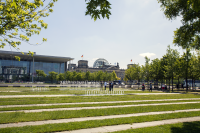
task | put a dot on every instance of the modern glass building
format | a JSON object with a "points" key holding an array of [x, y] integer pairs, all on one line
{"points": [[100, 62], [12, 70]]}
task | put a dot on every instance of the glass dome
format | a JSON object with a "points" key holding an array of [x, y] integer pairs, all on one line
{"points": [[99, 62]]}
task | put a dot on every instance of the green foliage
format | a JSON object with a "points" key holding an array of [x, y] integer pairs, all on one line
{"points": [[52, 75], [60, 77], [95, 8], [188, 34], [40, 73], [79, 77], [88, 76], [20, 19], [114, 76]]}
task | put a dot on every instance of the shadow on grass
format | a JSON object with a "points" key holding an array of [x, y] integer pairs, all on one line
{"points": [[188, 127]]}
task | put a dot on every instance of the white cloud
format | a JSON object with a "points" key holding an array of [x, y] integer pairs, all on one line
{"points": [[147, 54]]}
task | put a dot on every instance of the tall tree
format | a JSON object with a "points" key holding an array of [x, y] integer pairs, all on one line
{"points": [[188, 34], [171, 57]]}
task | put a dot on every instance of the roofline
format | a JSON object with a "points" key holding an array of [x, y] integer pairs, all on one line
{"points": [[35, 56]]}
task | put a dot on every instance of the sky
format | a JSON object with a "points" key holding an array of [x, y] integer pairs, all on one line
{"points": [[136, 28]]}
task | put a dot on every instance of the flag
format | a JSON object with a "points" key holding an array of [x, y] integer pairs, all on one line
{"points": [[82, 56], [131, 60]]}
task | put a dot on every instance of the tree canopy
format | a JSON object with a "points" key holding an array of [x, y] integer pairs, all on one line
{"points": [[188, 34], [20, 19]]}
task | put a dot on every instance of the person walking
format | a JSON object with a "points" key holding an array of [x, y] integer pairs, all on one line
{"points": [[143, 87], [163, 87], [105, 84], [109, 86], [112, 86], [101, 89], [150, 87]]}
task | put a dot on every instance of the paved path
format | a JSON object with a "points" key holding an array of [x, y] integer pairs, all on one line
{"points": [[99, 107], [21, 124], [105, 129], [33, 105]]}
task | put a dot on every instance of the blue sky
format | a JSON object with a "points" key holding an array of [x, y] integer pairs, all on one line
{"points": [[136, 28]]}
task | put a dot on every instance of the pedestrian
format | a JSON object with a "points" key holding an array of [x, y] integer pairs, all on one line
{"points": [[109, 86], [112, 86], [163, 87], [105, 84], [143, 87], [101, 89], [150, 87]]}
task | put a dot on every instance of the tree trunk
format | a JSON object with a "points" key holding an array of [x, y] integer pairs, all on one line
{"points": [[192, 83], [172, 81], [178, 83], [169, 84]]}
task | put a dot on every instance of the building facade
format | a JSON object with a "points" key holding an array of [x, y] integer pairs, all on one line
{"points": [[99, 65], [12, 70]]}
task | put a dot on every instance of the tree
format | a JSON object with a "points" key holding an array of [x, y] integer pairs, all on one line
{"points": [[193, 72], [20, 19], [79, 76], [52, 76], [171, 57], [156, 70], [93, 76], [178, 69], [114, 76], [188, 34], [60, 77], [95, 8], [129, 73], [74, 74], [105, 76], [87, 76], [40, 73], [99, 76], [68, 75], [146, 68]]}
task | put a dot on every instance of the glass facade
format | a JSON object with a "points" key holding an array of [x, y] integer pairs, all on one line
{"points": [[12, 70], [100, 62]]}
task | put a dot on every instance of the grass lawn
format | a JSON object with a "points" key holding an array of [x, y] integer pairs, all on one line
{"points": [[21, 116], [88, 105], [109, 122], [75, 99], [25, 117], [186, 127]]}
